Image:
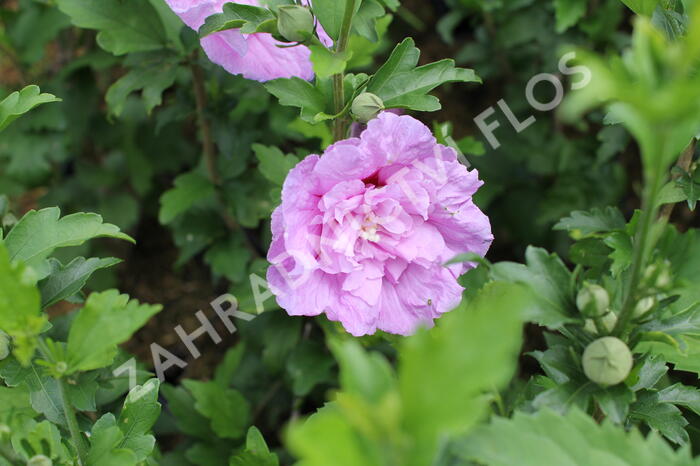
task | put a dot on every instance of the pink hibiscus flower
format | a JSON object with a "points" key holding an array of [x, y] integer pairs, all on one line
{"points": [[255, 56], [363, 233]]}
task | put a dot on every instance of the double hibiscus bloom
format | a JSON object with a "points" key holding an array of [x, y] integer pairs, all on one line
{"points": [[363, 233]]}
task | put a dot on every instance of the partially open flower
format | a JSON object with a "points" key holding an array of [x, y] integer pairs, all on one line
{"points": [[607, 361], [255, 56], [295, 23]]}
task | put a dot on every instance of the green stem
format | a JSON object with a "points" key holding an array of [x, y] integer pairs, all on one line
{"points": [[72, 420], [9, 456], [643, 243], [340, 124], [68, 411]]}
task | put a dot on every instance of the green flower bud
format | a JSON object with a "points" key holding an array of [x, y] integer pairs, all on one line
{"points": [[366, 106], [644, 305], [609, 321], [4, 345], [664, 280], [607, 361], [61, 367], [40, 460], [658, 276], [4, 431], [592, 300], [295, 23]]}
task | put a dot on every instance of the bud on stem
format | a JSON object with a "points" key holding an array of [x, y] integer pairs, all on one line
{"points": [[366, 106], [592, 300], [607, 361]]}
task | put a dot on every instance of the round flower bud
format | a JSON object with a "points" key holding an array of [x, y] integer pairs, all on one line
{"points": [[644, 305], [608, 320], [61, 367], [658, 276], [607, 361], [664, 280], [40, 460], [4, 345], [592, 300], [295, 23], [4, 430], [366, 106]]}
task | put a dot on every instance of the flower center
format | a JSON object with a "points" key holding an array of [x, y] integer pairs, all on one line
{"points": [[368, 231], [373, 180]]}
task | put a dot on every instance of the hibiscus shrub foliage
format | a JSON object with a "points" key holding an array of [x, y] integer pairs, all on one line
{"points": [[349, 232]]}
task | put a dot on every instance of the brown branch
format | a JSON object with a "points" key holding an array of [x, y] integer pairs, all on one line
{"points": [[209, 150]]}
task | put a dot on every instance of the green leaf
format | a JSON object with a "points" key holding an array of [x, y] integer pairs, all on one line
{"points": [[549, 438], [274, 165], [125, 26], [44, 392], [664, 417], [327, 63], [681, 395], [14, 403], [152, 74], [33, 438], [105, 444], [188, 420], [365, 21], [367, 375], [341, 446], [296, 92], [20, 102], [65, 281], [82, 391], [642, 7], [190, 189], [362, 49], [690, 186], [614, 402], [672, 23], [686, 322], [330, 14], [376, 419], [621, 244], [20, 311], [141, 411], [248, 18], [229, 257], [569, 12], [482, 339], [107, 320], [256, 452], [226, 408], [550, 282], [587, 223], [227, 368], [309, 365], [688, 360], [401, 85], [38, 233], [652, 368]]}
